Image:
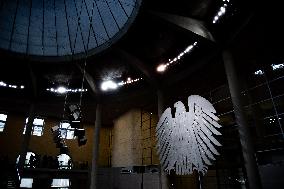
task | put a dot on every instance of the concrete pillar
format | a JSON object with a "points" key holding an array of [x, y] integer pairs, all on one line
{"points": [[245, 138], [164, 183], [26, 139], [95, 150]]}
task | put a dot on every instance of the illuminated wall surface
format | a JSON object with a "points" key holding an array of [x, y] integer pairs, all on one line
{"points": [[133, 139], [62, 27]]}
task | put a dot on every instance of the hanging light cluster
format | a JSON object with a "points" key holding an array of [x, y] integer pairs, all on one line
{"points": [[74, 116], [163, 67], [58, 140], [221, 11], [112, 85], [3, 84], [63, 90]]}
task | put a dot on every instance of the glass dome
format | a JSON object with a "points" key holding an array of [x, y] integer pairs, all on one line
{"points": [[61, 28]]}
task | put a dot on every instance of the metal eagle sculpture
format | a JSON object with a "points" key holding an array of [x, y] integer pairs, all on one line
{"points": [[186, 142]]}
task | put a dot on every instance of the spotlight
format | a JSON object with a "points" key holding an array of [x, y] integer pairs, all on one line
{"points": [[106, 85], [74, 112], [3, 84], [161, 68], [58, 140], [56, 135], [74, 115], [80, 133], [61, 90]]}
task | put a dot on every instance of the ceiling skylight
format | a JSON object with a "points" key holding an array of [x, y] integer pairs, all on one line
{"points": [[69, 27]]}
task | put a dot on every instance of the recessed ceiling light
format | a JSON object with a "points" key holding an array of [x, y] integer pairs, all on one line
{"points": [[106, 85], [61, 90], [161, 68]]}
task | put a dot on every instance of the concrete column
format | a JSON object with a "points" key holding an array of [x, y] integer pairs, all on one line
{"points": [[164, 183], [245, 138], [26, 139], [95, 150]]}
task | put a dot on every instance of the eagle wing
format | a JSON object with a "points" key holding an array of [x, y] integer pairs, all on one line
{"points": [[164, 131], [202, 124]]}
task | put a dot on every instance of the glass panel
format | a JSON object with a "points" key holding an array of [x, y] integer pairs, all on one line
{"points": [[38, 121], [277, 87], [64, 161], [2, 125], [271, 125], [24, 132], [37, 126], [26, 183], [37, 130], [27, 160], [281, 120], [3, 117], [63, 133], [65, 125], [279, 103], [70, 134], [220, 93], [264, 109], [223, 106], [259, 93], [255, 79], [60, 183], [227, 119]]}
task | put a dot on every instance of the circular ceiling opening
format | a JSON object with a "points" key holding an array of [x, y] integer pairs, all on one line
{"points": [[61, 28]]}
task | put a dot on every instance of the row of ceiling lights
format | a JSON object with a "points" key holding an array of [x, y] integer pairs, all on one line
{"points": [[112, 85], [64, 90], [221, 11], [164, 66], [3, 84]]}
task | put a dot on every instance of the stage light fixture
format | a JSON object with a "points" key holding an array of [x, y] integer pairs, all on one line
{"points": [[74, 115], [74, 112], [80, 134], [58, 140]]}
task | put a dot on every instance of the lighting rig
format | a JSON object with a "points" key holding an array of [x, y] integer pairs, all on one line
{"points": [[59, 141], [74, 116]]}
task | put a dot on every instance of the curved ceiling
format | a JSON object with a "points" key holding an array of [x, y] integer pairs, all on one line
{"points": [[61, 28]]}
